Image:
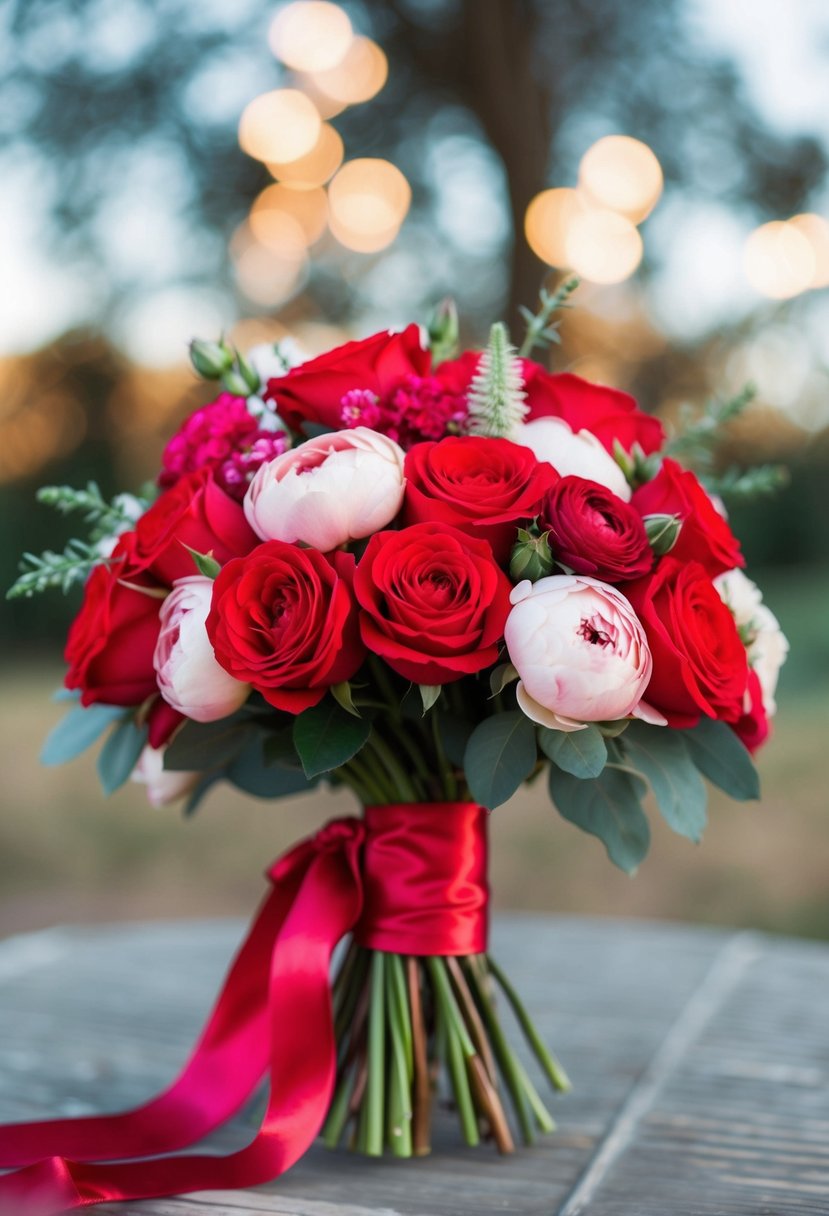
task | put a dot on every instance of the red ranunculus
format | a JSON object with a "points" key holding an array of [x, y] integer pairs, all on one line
{"points": [[699, 661], [608, 413], [434, 602], [753, 725], [594, 532], [112, 639], [485, 487], [314, 391], [705, 536], [284, 620], [194, 513]]}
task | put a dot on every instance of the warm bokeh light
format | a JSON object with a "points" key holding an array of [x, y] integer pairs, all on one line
{"points": [[368, 201], [276, 204], [359, 77], [315, 167], [282, 125], [310, 35], [816, 231], [779, 260], [602, 246], [270, 274], [547, 222], [621, 174]]}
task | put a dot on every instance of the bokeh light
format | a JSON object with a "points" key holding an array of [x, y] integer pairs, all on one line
{"points": [[310, 35], [621, 174], [359, 77], [602, 246], [270, 274], [368, 201], [816, 231], [282, 125], [278, 204], [316, 166], [548, 221], [779, 260]]}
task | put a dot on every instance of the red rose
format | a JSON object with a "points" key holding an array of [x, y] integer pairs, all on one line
{"points": [[753, 724], [112, 639], [608, 413], [284, 620], [594, 532], [705, 536], [699, 662], [484, 487], [434, 602], [194, 513], [314, 391]]}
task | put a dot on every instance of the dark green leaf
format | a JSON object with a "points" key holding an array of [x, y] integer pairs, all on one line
{"points": [[249, 772], [198, 792], [77, 731], [723, 759], [663, 757], [454, 734], [279, 747], [200, 746], [325, 737], [607, 806], [500, 755], [119, 755], [583, 753]]}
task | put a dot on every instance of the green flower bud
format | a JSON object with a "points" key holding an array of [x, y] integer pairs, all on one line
{"points": [[663, 532], [249, 373], [531, 557], [235, 384], [443, 330], [210, 359]]}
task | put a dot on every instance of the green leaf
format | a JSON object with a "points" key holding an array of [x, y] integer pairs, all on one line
{"points": [[429, 693], [199, 746], [205, 563], [325, 737], [723, 759], [608, 807], [500, 755], [197, 794], [500, 677], [583, 753], [454, 735], [279, 747], [249, 772], [663, 757], [342, 695], [119, 755], [81, 727]]}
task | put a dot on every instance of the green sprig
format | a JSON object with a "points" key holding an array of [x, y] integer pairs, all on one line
{"points": [[541, 329], [106, 517], [50, 569]]}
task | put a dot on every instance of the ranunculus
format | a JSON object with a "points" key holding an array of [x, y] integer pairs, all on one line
{"points": [[705, 536], [330, 490], [580, 651], [765, 642], [163, 785], [593, 532], [572, 453], [434, 602], [608, 413], [111, 641], [699, 662], [284, 620], [189, 678], [485, 487], [314, 391]]}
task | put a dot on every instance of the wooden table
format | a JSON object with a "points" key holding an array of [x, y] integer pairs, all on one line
{"points": [[700, 1062]]}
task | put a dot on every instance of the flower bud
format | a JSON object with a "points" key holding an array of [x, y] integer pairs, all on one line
{"points": [[235, 384], [443, 330], [210, 359], [662, 532], [249, 373], [531, 557]]}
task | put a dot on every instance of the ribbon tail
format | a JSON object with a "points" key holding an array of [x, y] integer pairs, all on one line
{"points": [[323, 905]]}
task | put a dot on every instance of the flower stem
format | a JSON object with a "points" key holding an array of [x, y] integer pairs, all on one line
{"points": [[371, 1113], [399, 1104], [403, 790], [558, 1077], [458, 1048], [450, 784]]}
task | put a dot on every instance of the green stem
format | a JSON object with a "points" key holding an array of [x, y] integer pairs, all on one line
{"points": [[550, 304], [458, 1047], [542, 1116], [399, 1106], [372, 785], [371, 1114], [338, 1111], [415, 755], [403, 789], [450, 784], [558, 1077], [383, 681]]}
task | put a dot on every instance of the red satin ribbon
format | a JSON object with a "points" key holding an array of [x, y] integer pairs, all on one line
{"points": [[410, 879]]}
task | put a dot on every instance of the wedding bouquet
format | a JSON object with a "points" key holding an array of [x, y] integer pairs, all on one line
{"points": [[431, 578]]}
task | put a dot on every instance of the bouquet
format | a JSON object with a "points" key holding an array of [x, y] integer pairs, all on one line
{"points": [[429, 577]]}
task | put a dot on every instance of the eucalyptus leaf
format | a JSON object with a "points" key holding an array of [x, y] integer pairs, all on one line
{"points": [[607, 806], [119, 755], [325, 736], [249, 772], [500, 755], [723, 759], [582, 753], [663, 757], [81, 727], [454, 735], [200, 746]]}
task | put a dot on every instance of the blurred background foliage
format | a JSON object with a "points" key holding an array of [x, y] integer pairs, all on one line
{"points": [[445, 152]]}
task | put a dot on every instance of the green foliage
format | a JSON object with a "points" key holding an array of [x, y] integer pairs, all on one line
{"points": [[700, 430], [582, 753], [531, 556], [500, 754], [119, 755], [344, 697], [429, 694], [723, 759], [608, 806], [496, 397], [662, 532], [50, 569], [326, 736], [202, 746], [443, 330], [250, 772], [541, 329], [454, 735], [662, 756], [736, 486], [105, 518], [81, 727], [205, 563]]}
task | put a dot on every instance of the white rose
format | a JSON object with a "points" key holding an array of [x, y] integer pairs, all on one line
{"points": [[572, 453], [329, 490], [766, 644], [189, 677], [163, 785], [580, 651]]}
